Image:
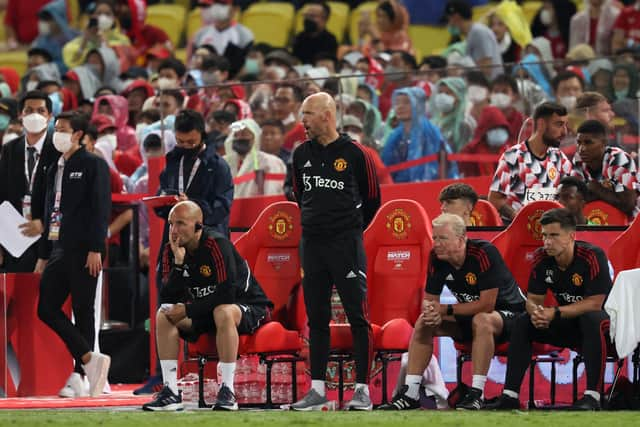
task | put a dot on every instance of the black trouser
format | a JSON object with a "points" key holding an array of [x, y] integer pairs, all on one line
{"points": [[588, 332], [66, 274], [340, 262]]}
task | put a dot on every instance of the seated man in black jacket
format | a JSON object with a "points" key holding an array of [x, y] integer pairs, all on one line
{"points": [[206, 286], [315, 38]]}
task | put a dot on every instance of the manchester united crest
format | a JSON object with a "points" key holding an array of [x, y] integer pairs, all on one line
{"points": [[533, 225], [471, 279], [576, 279], [340, 164], [205, 270], [553, 173], [399, 223], [280, 225], [476, 219], [598, 217]]}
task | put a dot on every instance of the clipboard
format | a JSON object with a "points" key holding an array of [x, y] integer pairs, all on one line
{"points": [[160, 201]]}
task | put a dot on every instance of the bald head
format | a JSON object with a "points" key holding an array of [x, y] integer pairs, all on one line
{"points": [[319, 117], [185, 224], [187, 210]]}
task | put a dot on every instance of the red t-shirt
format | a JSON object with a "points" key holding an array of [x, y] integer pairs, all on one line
{"points": [[22, 17], [593, 31], [294, 137], [629, 22], [558, 46]]}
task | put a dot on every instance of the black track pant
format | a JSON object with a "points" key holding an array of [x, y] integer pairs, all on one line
{"points": [[587, 332], [340, 262], [66, 274]]}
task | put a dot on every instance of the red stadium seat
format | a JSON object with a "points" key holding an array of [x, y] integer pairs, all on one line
{"points": [[602, 213], [624, 252], [271, 250], [397, 243], [485, 215]]}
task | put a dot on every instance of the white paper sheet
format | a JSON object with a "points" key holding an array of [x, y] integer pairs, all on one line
{"points": [[11, 238]]}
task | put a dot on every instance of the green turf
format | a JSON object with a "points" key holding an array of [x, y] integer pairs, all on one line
{"points": [[273, 418]]}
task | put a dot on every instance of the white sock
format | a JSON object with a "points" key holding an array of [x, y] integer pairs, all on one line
{"points": [[413, 381], [478, 382], [364, 387], [227, 372], [510, 393], [593, 394], [170, 374], [318, 386]]}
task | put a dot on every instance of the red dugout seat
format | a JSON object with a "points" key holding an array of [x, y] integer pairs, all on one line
{"points": [[271, 250], [397, 243], [624, 252], [485, 215], [602, 213]]}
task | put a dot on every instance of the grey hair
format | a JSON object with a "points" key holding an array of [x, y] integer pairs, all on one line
{"points": [[454, 221]]}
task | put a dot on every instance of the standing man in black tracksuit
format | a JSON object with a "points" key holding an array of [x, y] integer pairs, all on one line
{"points": [[76, 216], [336, 187]]}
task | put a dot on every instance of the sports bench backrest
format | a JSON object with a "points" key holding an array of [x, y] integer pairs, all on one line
{"points": [[397, 243], [485, 215], [271, 249], [602, 213], [624, 252], [521, 238]]}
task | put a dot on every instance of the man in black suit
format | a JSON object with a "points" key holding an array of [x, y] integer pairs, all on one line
{"points": [[23, 165]]}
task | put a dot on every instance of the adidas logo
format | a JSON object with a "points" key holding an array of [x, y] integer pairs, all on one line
{"points": [[351, 275], [308, 164], [548, 280], [449, 277], [185, 273]]}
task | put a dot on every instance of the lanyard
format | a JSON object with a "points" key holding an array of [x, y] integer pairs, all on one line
{"points": [[26, 167], [59, 177], [194, 169]]}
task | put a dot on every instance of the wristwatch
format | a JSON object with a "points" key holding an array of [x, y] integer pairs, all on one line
{"points": [[449, 310], [557, 312]]}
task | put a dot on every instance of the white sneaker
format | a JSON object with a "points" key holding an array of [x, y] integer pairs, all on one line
{"points": [[97, 371], [76, 386]]}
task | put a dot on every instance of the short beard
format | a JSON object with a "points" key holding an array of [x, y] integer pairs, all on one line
{"points": [[550, 142]]}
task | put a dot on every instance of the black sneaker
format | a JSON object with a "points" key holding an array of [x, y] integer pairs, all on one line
{"points": [[504, 403], [401, 402], [587, 403], [226, 400], [165, 400], [472, 401]]}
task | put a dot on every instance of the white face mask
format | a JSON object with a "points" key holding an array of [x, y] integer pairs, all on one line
{"points": [[280, 73], [497, 137], [165, 83], [568, 102], [44, 28], [477, 94], [444, 102], [105, 22], [546, 17], [9, 137], [111, 139], [500, 100], [34, 123], [62, 141], [219, 12], [31, 85], [289, 119], [355, 136]]}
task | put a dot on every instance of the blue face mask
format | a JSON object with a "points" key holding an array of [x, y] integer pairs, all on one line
{"points": [[454, 31], [4, 122], [251, 66], [56, 103]]}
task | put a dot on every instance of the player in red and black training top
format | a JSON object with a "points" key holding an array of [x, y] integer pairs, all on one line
{"points": [[488, 301], [577, 273], [336, 187]]}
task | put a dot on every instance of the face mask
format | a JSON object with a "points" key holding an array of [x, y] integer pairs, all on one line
{"points": [[140, 127], [397, 76], [289, 119], [241, 146], [5, 90], [44, 28], [354, 136], [500, 100], [34, 123], [219, 12], [477, 94], [31, 85], [95, 69], [56, 103], [568, 102], [444, 102], [166, 83], [546, 17], [454, 31], [310, 26], [188, 152], [4, 122], [279, 72], [497, 137], [621, 94], [105, 22], [251, 66], [9, 137], [112, 140], [62, 141]]}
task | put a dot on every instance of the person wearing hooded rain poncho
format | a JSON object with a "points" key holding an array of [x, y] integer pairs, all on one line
{"points": [[54, 31], [449, 105], [245, 157], [416, 137]]}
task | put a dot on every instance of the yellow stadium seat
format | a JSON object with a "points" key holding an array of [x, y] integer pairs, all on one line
{"points": [[181, 54], [3, 35], [270, 22], [354, 18], [16, 59], [168, 17], [74, 10], [338, 20], [429, 39], [480, 12], [194, 23], [530, 9]]}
